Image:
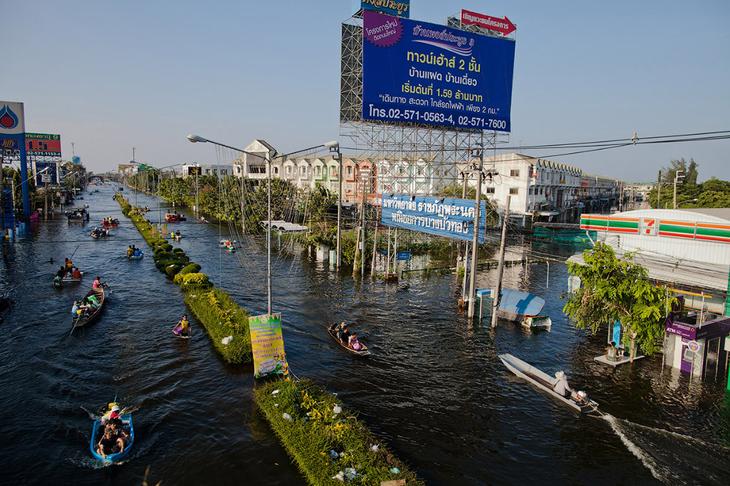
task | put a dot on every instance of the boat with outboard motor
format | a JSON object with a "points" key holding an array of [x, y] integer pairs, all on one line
{"points": [[579, 401], [363, 351]]}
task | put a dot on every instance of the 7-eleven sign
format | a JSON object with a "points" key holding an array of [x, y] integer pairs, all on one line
{"points": [[649, 226]]}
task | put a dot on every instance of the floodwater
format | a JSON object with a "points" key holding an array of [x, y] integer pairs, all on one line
{"points": [[434, 390]]}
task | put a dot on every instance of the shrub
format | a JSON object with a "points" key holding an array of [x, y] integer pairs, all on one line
{"points": [[171, 270], [192, 280], [190, 268]]}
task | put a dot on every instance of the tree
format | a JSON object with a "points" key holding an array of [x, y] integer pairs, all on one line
{"points": [[618, 289]]}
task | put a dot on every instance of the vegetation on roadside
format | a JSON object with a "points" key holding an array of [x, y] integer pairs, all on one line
{"points": [[215, 309], [326, 440], [713, 193], [618, 289]]}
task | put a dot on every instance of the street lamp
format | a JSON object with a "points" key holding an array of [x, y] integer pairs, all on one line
{"points": [[334, 147], [270, 155]]}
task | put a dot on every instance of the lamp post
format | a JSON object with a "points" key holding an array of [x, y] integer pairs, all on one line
{"points": [[198, 139], [334, 147], [475, 240]]}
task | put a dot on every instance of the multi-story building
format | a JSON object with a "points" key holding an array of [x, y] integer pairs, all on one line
{"points": [[217, 170]]}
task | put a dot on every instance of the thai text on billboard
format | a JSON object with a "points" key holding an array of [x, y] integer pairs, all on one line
{"points": [[416, 72], [447, 217], [267, 345], [400, 8], [43, 144]]}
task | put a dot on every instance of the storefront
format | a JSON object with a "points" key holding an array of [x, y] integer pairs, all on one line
{"points": [[699, 350]]}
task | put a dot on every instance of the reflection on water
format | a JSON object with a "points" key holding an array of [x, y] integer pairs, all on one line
{"points": [[434, 387]]}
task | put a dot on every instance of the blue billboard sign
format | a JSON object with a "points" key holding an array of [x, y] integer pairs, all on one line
{"points": [[428, 74], [398, 8], [447, 217]]}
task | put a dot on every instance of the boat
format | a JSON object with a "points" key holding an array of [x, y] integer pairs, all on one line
{"points": [[97, 233], [120, 456], [110, 224], [174, 217], [69, 279], [229, 245], [179, 334], [80, 215], [537, 322], [544, 382], [363, 352], [515, 305], [137, 255], [90, 318]]}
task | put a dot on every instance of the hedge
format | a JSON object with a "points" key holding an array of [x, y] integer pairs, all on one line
{"points": [[324, 438]]}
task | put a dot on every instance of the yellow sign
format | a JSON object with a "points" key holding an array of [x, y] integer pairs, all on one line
{"points": [[267, 345]]}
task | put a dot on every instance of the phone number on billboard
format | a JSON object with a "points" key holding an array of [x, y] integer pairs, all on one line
{"points": [[435, 117]]}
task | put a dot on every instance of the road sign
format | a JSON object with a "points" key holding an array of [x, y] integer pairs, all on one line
{"points": [[404, 255], [693, 346], [504, 26], [45, 178]]}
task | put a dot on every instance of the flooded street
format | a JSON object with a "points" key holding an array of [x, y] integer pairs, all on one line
{"points": [[434, 388]]}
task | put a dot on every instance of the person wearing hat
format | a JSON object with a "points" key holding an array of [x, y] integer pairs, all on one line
{"points": [[561, 386]]}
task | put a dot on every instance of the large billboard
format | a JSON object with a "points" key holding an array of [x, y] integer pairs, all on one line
{"points": [[416, 72], [43, 144], [447, 217]]}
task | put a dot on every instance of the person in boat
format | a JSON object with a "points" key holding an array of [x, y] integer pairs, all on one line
{"points": [[97, 285], [579, 397], [561, 386], [109, 444], [183, 326], [61, 272], [130, 251], [68, 265], [58, 281], [343, 334], [76, 309], [137, 251], [353, 342], [178, 235], [76, 273], [93, 301]]}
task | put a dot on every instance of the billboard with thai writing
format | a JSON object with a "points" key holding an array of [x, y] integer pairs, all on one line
{"points": [[267, 345], [447, 217], [399, 8], [43, 144], [428, 74]]}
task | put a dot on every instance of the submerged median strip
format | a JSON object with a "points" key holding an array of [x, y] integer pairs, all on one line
{"points": [[225, 321], [328, 444]]}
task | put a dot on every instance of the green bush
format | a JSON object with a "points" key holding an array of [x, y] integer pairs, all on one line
{"points": [[313, 429], [171, 270], [221, 317], [190, 268], [178, 251]]}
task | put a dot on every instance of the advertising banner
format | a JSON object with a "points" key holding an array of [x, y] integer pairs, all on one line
{"points": [[43, 144], [12, 126], [397, 8], [428, 74], [267, 345], [447, 217]]}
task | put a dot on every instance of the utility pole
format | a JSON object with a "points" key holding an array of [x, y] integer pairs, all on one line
{"points": [[362, 224], [678, 174], [500, 266], [336, 149], [475, 239], [197, 210], [73, 149], [243, 189], [268, 232], [659, 191]]}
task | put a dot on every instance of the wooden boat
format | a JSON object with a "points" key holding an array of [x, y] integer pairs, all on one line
{"points": [[537, 322], [97, 233], [97, 431], [68, 279], [174, 217], [544, 382], [90, 318], [363, 352]]}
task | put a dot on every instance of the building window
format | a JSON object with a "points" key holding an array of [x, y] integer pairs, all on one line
{"points": [[333, 171], [288, 170], [349, 170], [276, 170], [317, 171], [224, 171], [514, 172], [489, 190], [419, 171], [207, 171], [514, 190]]}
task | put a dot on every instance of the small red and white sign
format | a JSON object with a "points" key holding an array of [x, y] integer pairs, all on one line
{"points": [[648, 226], [502, 25]]}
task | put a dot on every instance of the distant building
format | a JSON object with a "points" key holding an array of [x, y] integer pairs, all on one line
{"points": [[217, 170]]}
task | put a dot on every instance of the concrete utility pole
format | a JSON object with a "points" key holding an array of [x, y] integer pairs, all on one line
{"points": [[336, 149], [475, 239], [679, 174], [659, 190], [243, 189], [500, 267], [362, 223], [268, 233]]}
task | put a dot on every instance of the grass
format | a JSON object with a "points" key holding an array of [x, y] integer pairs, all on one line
{"points": [[222, 317], [313, 428]]}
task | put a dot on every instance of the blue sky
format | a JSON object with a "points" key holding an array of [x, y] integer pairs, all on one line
{"points": [[110, 75]]}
